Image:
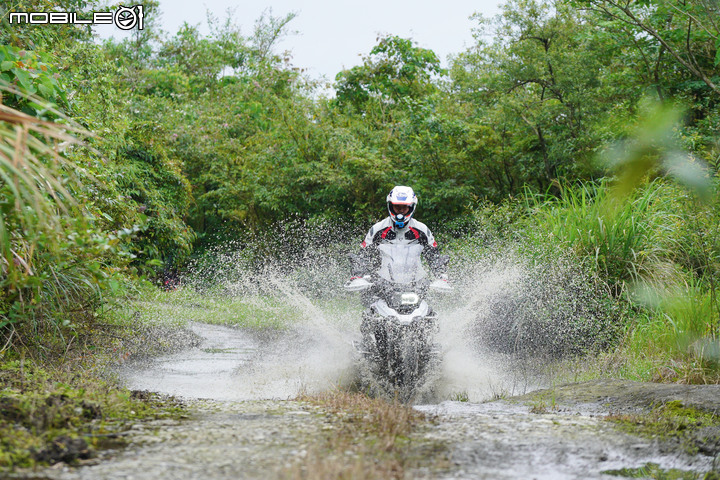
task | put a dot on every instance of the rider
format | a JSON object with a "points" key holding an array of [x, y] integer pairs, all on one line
{"points": [[398, 229]]}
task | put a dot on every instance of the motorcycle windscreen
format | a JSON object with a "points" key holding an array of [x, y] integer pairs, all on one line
{"points": [[401, 263]]}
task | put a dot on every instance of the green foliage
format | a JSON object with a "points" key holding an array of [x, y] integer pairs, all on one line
{"points": [[536, 95], [686, 316], [154, 183], [683, 36], [395, 70], [653, 148], [29, 73], [56, 265], [625, 244], [658, 248], [201, 59]]}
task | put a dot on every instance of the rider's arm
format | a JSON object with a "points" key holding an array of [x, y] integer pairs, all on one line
{"points": [[364, 262], [436, 261]]}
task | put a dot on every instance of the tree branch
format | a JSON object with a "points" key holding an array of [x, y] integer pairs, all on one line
{"points": [[638, 23], [692, 18]]}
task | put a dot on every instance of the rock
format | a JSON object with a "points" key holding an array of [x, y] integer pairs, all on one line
{"points": [[64, 449]]}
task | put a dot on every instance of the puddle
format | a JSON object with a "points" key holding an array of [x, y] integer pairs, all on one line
{"points": [[207, 371], [232, 365]]}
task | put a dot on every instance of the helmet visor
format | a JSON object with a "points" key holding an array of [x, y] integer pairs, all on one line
{"points": [[401, 208]]}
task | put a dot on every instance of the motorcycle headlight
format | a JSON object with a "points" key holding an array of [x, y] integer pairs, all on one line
{"points": [[409, 298]]}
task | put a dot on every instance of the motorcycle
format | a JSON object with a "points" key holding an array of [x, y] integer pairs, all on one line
{"points": [[398, 328]]}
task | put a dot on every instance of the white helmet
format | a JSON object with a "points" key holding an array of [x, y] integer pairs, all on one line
{"points": [[401, 196]]}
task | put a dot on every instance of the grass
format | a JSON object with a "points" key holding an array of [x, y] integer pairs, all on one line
{"points": [[370, 438], [461, 396], [65, 414], [626, 241], [658, 252], [258, 312], [185, 305], [675, 422], [544, 404]]}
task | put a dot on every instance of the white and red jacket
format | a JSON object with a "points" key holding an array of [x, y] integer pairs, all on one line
{"points": [[385, 232]]}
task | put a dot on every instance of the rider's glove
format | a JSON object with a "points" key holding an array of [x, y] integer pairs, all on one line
{"points": [[443, 277]]}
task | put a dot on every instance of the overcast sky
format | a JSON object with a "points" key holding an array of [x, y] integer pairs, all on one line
{"points": [[333, 34]]}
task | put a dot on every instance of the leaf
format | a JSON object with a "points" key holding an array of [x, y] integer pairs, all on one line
{"points": [[49, 85], [690, 173], [23, 77], [45, 91]]}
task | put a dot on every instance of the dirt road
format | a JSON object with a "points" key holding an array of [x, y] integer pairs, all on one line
{"points": [[559, 434]]}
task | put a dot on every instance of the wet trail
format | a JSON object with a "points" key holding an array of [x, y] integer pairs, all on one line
{"points": [[235, 365], [244, 426], [203, 372], [504, 440]]}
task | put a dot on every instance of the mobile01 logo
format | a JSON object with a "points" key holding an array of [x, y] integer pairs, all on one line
{"points": [[124, 18]]}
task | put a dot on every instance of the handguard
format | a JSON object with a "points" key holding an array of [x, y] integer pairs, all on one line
{"points": [[440, 286], [357, 284]]}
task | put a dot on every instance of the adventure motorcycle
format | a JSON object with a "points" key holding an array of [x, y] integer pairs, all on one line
{"points": [[399, 326]]}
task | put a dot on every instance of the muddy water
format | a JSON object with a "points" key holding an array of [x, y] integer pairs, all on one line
{"points": [[206, 371], [244, 426], [233, 365], [503, 440]]}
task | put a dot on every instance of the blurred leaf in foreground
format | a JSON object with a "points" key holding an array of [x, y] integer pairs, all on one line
{"points": [[654, 149]]}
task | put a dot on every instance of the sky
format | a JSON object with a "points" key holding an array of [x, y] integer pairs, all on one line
{"points": [[333, 35]]}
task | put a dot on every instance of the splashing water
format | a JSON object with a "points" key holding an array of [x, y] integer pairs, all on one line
{"points": [[505, 311]]}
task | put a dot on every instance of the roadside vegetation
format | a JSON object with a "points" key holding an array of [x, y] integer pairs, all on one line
{"points": [[371, 438], [67, 413], [674, 421], [587, 129]]}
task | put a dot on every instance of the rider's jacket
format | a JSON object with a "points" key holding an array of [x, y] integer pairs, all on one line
{"points": [[385, 232]]}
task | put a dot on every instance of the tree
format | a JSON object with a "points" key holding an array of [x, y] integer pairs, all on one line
{"points": [[538, 91], [688, 31], [394, 70]]}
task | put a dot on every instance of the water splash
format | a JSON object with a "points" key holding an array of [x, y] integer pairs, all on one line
{"points": [[507, 311]]}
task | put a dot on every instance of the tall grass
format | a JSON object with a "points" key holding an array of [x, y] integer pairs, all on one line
{"points": [[33, 178], [54, 263], [677, 333], [626, 242], [658, 250]]}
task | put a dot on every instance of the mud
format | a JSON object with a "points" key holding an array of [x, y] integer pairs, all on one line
{"points": [[222, 440]]}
